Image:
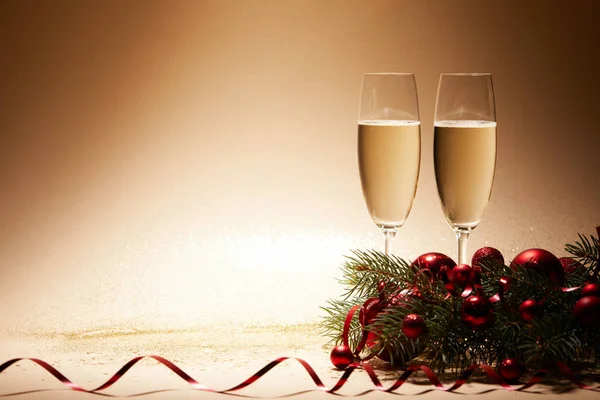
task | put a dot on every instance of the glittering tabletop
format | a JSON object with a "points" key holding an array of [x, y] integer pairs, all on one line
{"points": [[218, 356]]}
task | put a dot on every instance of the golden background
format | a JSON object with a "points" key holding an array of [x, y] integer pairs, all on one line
{"points": [[170, 164]]}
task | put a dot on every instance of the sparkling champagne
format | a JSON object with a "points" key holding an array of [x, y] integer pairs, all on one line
{"points": [[465, 160], [389, 156]]}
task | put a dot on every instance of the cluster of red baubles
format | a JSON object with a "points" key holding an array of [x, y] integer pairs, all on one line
{"points": [[477, 311]]}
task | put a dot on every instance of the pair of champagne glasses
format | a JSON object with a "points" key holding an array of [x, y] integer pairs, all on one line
{"points": [[464, 150]]}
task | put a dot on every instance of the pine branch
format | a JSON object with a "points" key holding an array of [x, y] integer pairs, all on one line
{"points": [[586, 251], [449, 344], [333, 323], [363, 271]]}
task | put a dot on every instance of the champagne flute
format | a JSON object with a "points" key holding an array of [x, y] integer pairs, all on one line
{"points": [[464, 151], [389, 148]]}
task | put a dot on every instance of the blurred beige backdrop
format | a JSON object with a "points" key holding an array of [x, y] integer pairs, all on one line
{"points": [[165, 164]]}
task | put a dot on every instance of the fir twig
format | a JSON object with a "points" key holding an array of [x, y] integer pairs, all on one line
{"points": [[585, 251], [449, 344]]}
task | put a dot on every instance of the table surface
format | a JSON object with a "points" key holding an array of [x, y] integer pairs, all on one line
{"points": [[217, 356]]}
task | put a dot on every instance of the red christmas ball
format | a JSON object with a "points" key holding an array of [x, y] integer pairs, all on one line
{"points": [[477, 312], [433, 262], [542, 261], [510, 370], [368, 312], [413, 326], [461, 274], [591, 289], [569, 265], [341, 356], [486, 253], [530, 310], [587, 311]]}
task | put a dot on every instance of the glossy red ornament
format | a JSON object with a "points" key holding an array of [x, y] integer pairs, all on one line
{"points": [[510, 370], [587, 311], [413, 326], [542, 261], [591, 289], [486, 253], [433, 262], [569, 265], [530, 310], [461, 275], [341, 356], [477, 312]]}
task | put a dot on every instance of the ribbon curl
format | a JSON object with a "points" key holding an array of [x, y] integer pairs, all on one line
{"points": [[320, 386]]}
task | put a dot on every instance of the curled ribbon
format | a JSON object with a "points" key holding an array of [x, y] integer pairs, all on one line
{"points": [[363, 339], [320, 386]]}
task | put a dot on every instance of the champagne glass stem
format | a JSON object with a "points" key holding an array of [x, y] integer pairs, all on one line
{"points": [[462, 236], [389, 234]]}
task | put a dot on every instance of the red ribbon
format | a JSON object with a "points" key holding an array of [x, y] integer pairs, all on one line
{"points": [[378, 386], [363, 339]]}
